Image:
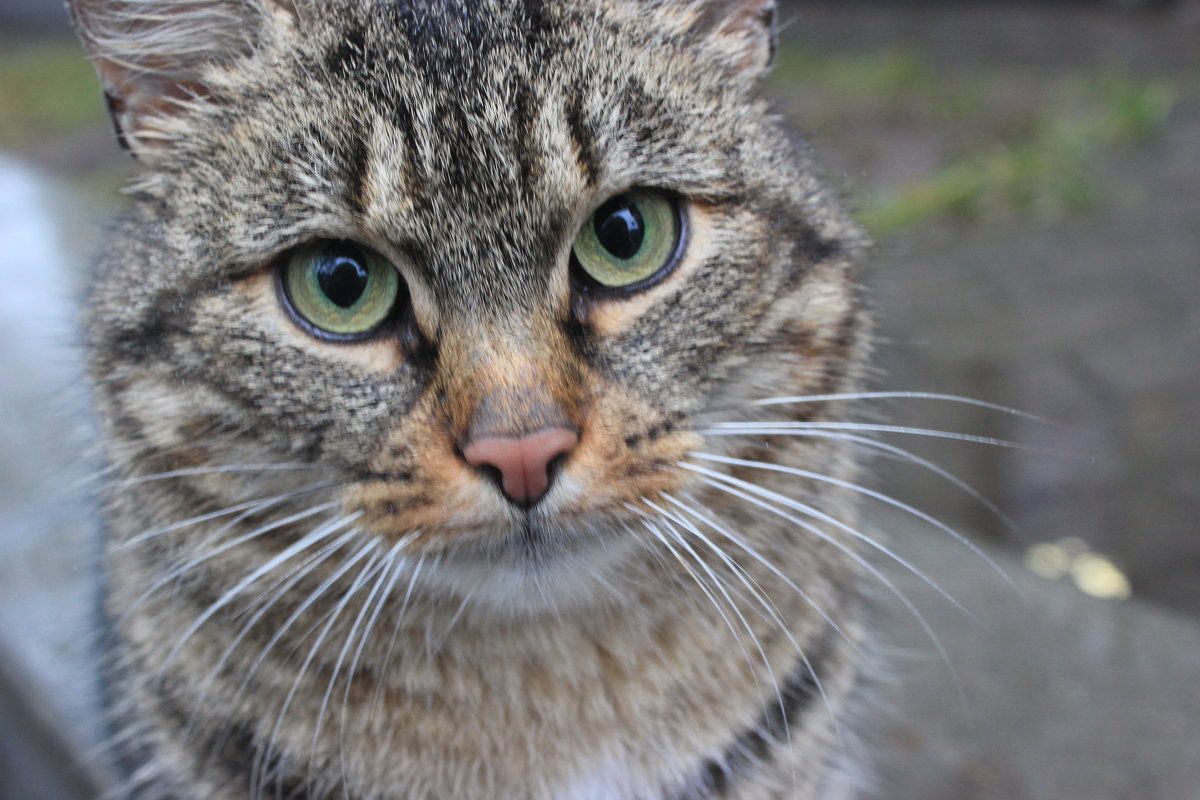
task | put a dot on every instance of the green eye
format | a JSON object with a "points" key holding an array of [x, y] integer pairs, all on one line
{"points": [[629, 240], [340, 289]]}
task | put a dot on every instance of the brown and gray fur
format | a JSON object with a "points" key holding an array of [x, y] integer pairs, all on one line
{"points": [[440, 642]]}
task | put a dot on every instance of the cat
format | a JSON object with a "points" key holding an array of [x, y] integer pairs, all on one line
{"points": [[470, 373]]}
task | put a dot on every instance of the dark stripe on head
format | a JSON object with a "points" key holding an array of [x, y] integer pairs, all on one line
{"points": [[358, 162], [581, 136]]}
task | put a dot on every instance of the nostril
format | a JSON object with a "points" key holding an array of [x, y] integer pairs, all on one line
{"points": [[493, 474], [524, 466], [555, 466]]}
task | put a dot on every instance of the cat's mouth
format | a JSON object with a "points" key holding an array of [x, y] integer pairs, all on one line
{"points": [[534, 538], [538, 563]]}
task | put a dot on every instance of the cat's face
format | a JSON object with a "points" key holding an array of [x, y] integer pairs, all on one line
{"points": [[387, 233]]}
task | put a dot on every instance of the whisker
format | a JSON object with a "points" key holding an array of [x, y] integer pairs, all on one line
{"points": [[264, 602], [776, 684], [787, 427], [187, 471], [377, 696], [949, 398], [814, 513], [300, 610], [396, 564], [757, 593], [875, 573], [649, 524], [208, 555], [283, 556], [724, 531], [907, 455], [874, 495], [360, 579], [252, 506], [386, 564]]}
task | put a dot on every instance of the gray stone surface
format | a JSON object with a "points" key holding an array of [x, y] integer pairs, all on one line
{"points": [[47, 532], [1065, 697], [1091, 324]]}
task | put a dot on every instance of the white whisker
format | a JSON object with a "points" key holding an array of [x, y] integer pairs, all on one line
{"points": [[377, 695], [949, 398], [814, 513], [786, 427], [188, 471], [264, 603], [864, 491], [650, 525], [252, 507], [210, 554], [299, 611], [912, 458], [360, 579], [386, 564], [757, 593], [871, 570], [737, 540], [283, 556], [396, 564]]}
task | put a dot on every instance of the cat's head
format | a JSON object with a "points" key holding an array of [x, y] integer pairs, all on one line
{"points": [[484, 266]]}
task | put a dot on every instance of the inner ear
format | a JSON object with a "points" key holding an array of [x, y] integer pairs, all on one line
{"points": [[152, 57]]}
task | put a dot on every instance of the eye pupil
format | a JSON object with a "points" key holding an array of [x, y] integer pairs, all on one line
{"points": [[620, 228], [343, 278]]}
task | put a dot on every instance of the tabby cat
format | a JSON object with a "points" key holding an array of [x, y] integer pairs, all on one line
{"points": [[444, 356]]}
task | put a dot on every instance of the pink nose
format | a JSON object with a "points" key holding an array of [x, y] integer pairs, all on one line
{"points": [[523, 461]]}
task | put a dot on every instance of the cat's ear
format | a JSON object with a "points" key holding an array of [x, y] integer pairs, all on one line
{"points": [[156, 57], [745, 29]]}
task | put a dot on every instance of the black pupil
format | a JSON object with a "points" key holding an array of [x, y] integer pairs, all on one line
{"points": [[342, 278], [619, 227]]}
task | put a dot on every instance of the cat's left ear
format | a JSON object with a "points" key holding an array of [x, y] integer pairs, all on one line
{"points": [[155, 57], [745, 29]]}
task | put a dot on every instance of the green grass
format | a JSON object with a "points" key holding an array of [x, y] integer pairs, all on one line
{"points": [[47, 89], [884, 73], [1009, 143], [1047, 173]]}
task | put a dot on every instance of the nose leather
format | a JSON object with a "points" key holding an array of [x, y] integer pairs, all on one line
{"points": [[523, 461]]}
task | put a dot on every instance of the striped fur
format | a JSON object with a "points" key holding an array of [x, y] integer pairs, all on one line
{"points": [[310, 593]]}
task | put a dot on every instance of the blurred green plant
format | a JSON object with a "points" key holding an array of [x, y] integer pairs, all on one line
{"points": [[881, 74], [1048, 173], [46, 89], [1006, 144]]}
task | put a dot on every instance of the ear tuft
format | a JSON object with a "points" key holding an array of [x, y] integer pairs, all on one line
{"points": [[747, 30], [152, 57]]}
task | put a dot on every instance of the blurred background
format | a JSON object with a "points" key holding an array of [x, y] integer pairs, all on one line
{"points": [[1030, 173]]}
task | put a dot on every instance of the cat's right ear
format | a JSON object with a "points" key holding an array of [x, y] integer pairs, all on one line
{"points": [[745, 30], [156, 58]]}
